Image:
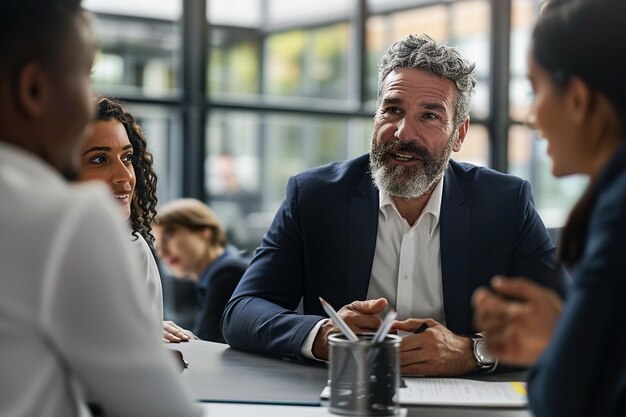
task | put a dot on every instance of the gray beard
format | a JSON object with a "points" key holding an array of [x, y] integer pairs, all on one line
{"points": [[407, 182], [400, 182]]}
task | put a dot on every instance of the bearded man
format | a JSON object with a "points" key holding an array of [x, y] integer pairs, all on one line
{"points": [[404, 227]]}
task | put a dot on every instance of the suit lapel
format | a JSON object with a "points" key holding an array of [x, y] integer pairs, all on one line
{"points": [[455, 243], [362, 242]]}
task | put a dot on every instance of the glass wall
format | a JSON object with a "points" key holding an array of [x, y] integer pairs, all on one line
{"points": [[465, 25], [285, 91], [163, 129], [139, 48], [234, 64], [527, 152], [311, 63], [251, 155], [303, 58]]}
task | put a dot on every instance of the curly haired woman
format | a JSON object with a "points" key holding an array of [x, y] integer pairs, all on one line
{"points": [[116, 152]]}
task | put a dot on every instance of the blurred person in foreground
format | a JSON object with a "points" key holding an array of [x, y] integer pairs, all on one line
{"points": [[576, 67], [74, 317]]}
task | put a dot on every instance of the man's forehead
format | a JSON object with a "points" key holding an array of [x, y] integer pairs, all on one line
{"points": [[427, 100], [408, 83]]}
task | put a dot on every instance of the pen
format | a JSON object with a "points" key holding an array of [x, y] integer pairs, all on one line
{"points": [[347, 332], [382, 331], [421, 329]]}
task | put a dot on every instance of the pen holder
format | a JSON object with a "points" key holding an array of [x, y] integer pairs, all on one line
{"points": [[364, 377]]}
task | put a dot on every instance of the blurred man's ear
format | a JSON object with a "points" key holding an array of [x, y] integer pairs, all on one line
{"points": [[462, 131], [31, 84], [207, 233]]}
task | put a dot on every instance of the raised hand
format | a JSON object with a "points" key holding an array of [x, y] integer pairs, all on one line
{"points": [[518, 318]]}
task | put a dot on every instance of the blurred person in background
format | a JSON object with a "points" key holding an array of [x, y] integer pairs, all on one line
{"points": [[192, 243]]}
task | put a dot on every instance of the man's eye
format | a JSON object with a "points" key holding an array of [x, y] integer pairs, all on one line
{"points": [[392, 110], [430, 116]]}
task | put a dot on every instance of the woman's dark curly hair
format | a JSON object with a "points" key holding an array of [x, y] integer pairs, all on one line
{"points": [[143, 205]]}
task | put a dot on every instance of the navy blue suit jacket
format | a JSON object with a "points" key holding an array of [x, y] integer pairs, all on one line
{"points": [[214, 289], [583, 371], [322, 242]]}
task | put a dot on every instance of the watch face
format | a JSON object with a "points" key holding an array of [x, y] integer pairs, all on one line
{"points": [[481, 353]]}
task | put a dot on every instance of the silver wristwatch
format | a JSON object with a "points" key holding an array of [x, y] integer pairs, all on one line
{"points": [[485, 362]]}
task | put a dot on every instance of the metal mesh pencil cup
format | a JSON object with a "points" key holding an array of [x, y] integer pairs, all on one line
{"points": [[364, 377]]}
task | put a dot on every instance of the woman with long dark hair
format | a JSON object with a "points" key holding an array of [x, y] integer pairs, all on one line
{"points": [[576, 67]]}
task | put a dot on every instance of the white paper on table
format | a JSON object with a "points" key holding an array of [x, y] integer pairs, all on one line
{"points": [[466, 392], [268, 410], [459, 392]]}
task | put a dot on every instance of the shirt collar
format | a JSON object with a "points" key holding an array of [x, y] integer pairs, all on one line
{"points": [[433, 206]]}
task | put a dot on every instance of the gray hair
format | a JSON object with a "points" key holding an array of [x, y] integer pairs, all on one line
{"points": [[423, 53]]}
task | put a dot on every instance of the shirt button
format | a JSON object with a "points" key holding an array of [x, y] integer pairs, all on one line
{"points": [[406, 277]]}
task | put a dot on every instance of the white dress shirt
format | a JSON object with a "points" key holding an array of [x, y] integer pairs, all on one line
{"points": [[407, 261], [72, 315], [407, 264]]}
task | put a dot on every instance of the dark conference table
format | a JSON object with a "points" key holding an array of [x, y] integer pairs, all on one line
{"points": [[219, 373]]}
